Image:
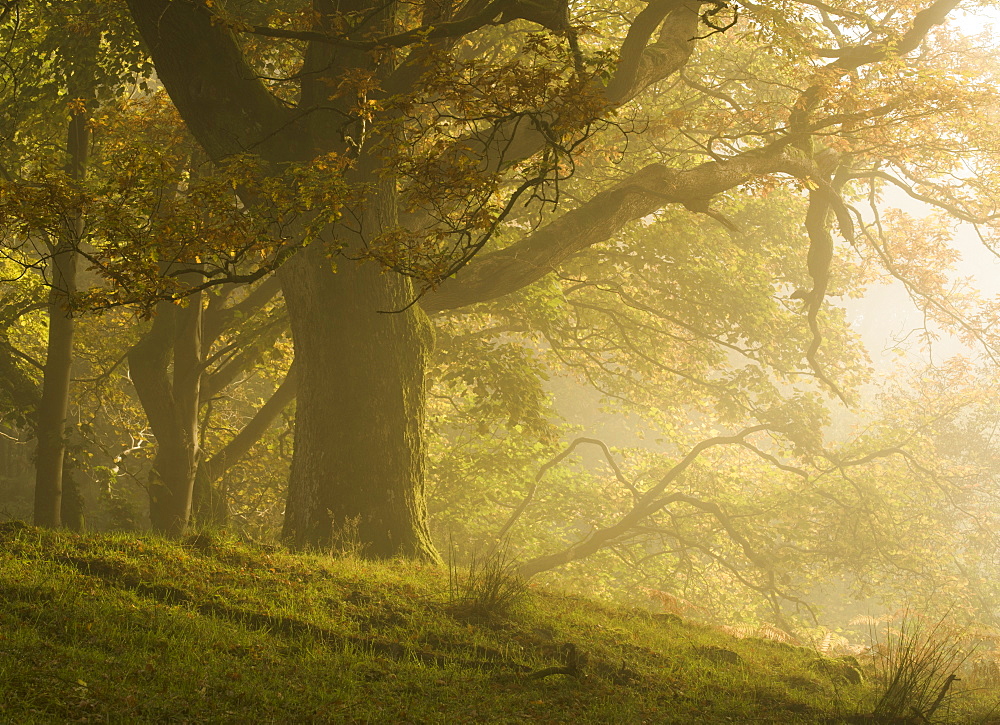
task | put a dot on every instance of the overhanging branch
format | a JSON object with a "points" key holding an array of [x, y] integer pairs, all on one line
{"points": [[646, 191]]}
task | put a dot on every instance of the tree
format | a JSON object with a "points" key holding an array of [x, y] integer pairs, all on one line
{"points": [[765, 523], [161, 225], [55, 67], [149, 210], [441, 117], [54, 403]]}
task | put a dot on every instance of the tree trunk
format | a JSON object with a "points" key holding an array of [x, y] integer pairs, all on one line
{"points": [[170, 490], [358, 465], [171, 406], [210, 504], [72, 508], [50, 425], [357, 475]]}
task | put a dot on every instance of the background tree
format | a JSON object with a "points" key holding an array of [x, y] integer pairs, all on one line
{"points": [[55, 68], [165, 221], [147, 213]]}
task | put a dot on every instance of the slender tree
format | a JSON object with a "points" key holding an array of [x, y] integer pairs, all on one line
{"points": [[50, 427], [54, 67]]}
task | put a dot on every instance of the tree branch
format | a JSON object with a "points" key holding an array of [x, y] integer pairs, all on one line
{"points": [[650, 502], [217, 324], [250, 353], [215, 467], [223, 102], [492, 14], [520, 508], [640, 65], [850, 59], [644, 192]]}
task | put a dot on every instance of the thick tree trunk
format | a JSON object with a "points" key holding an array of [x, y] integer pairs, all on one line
{"points": [[357, 476], [358, 466]]}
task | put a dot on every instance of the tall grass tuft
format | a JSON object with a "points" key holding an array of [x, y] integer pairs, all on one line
{"points": [[489, 588], [915, 668]]}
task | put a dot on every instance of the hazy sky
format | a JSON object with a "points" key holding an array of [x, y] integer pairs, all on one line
{"points": [[885, 317]]}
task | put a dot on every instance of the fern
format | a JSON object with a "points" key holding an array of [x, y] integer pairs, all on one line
{"points": [[670, 603], [769, 631], [740, 631], [826, 644], [762, 631]]}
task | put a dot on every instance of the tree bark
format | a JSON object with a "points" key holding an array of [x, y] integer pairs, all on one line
{"points": [[357, 476], [50, 424], [171, 406]]}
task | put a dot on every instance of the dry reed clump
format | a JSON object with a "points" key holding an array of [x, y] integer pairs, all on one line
{"points": [[489, 588], [916, 664]]}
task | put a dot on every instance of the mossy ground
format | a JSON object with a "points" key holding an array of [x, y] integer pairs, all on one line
{"points": [[120, 628]]}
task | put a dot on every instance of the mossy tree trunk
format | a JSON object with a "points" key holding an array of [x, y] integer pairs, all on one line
{"points": [[357, 477], [357, 471]]}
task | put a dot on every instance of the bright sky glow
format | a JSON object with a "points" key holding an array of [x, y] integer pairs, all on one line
{"points": [[885, 317]]}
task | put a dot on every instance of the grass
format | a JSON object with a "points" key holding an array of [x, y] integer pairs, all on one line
{"points": [[125, 629], [488, 589], [916, 667]]}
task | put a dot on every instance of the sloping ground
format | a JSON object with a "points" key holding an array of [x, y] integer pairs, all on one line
{"points": [[116, 628]]}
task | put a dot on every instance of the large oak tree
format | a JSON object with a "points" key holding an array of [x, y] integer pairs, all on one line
{"points": [[442, 117]]}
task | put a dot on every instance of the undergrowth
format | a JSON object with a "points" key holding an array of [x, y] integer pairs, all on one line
{"points": [[916, 667]]}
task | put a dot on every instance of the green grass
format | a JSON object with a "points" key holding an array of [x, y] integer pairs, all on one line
{"points": [[125, 629]]}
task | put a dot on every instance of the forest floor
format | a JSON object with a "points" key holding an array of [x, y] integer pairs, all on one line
{"points": [[129, 629]]}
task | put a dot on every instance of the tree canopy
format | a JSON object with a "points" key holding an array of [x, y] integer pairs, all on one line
{"points": [[469, 222]]}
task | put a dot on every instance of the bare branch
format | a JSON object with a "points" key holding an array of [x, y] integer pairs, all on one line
{"points": [[520, 508], [651, 501]]}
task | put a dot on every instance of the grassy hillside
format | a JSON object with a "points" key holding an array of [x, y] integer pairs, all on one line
{"points": [[115, 628]]}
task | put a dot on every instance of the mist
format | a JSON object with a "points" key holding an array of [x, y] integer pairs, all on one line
{"points": [[528, 347]]}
